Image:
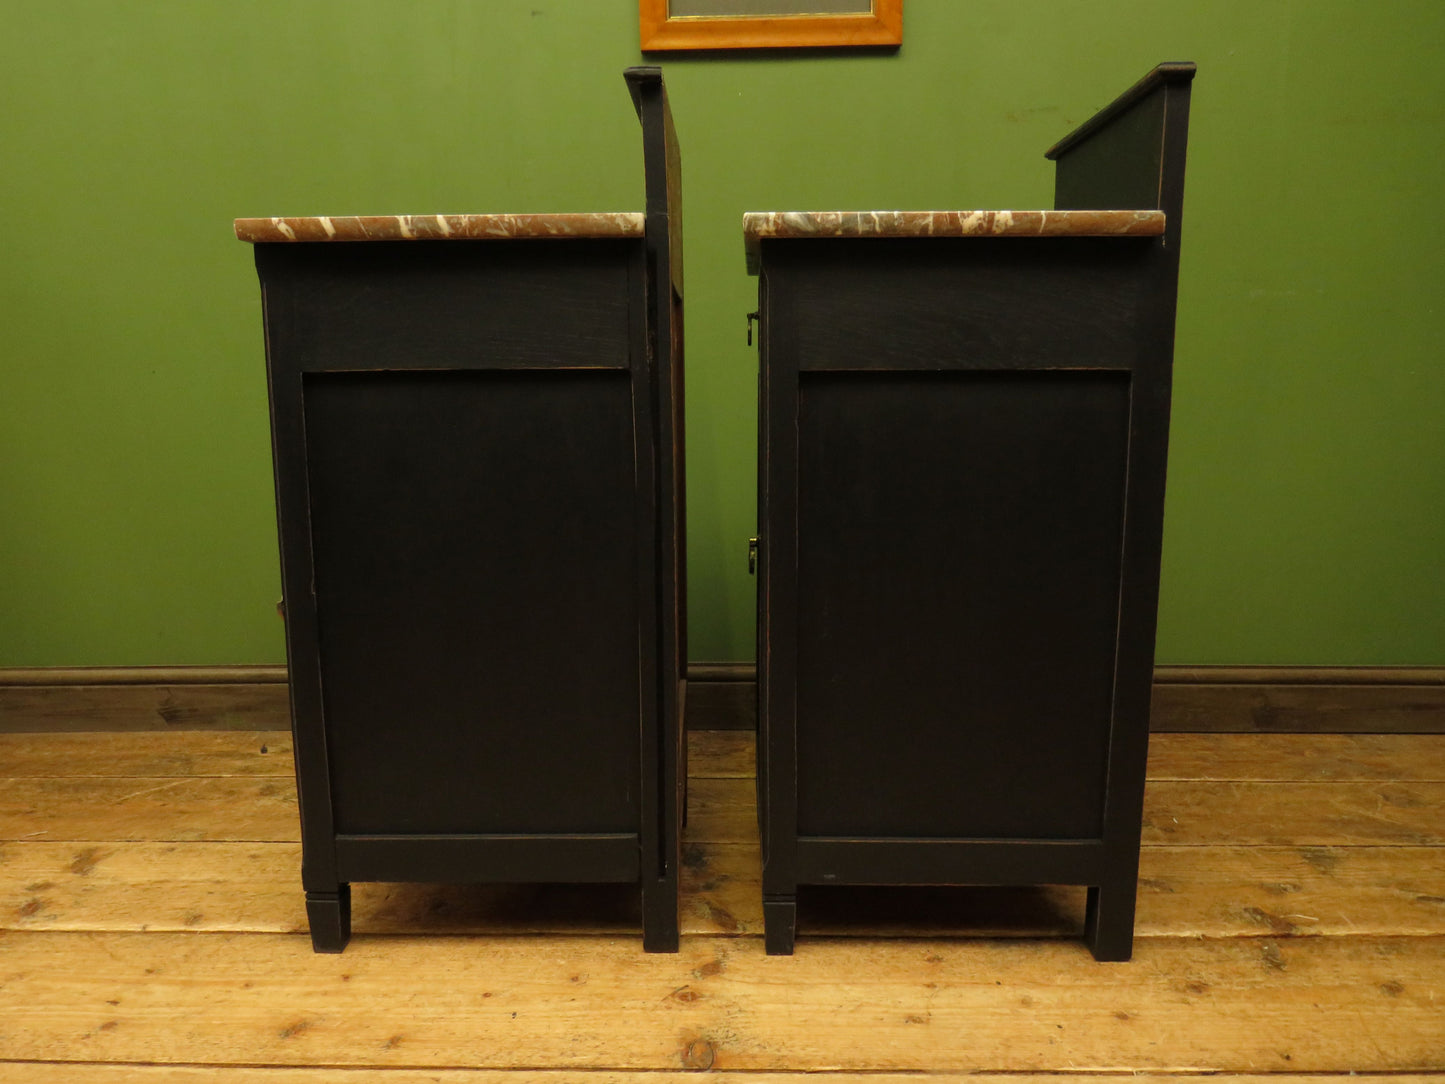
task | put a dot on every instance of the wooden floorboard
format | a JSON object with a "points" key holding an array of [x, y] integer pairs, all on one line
{"points": [[574, 1002], [1184, 892], [160, 809], [1180, 812], [1291, 921], [1298, 757], [1375, 813], [147, 753], [81, 1073], [721, 754], [1191, 812]]}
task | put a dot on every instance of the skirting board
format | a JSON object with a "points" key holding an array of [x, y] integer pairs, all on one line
{"points": [[722, 696]]}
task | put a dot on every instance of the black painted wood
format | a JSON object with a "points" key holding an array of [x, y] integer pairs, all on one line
{"points": [[442, 305], [662, 550], [578, 858], [972, 521], [902, 860], [329, 916], [962, 454], [479, 495], [984, 303], [448, 581]]}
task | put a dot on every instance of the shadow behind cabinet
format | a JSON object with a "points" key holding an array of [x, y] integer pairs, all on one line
{"points": [[964, 423], [477, 427]]}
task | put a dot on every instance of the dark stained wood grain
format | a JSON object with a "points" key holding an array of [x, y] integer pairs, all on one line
{"points": [[33, 708], [1301, 707]]}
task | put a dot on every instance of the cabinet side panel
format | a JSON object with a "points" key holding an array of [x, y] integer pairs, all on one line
{"points": [[477, 600], [959, 541]]}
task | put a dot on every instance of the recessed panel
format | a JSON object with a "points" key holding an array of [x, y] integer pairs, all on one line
{"points": [[476, 591], [959, 544]]}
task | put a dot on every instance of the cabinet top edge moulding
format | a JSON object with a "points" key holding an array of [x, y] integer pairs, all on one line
{"points": [[769, 24]]}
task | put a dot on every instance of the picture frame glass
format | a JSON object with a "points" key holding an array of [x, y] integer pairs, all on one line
{"points": [[722, 9]]}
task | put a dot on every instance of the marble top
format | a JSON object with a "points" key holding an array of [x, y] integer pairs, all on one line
{"points": [[762, 225], [440, 227]]}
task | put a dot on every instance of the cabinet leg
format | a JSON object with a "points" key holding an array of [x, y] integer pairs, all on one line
{"points": [[1109, 921], [659, 915], [329, 914], [780, 924]]}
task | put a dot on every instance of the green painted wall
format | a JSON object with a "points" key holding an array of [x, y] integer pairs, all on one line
{"points": [[1306, 516]]}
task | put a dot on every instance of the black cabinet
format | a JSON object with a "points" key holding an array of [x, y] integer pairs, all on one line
{"points": [[477, 426], [964, 423]]}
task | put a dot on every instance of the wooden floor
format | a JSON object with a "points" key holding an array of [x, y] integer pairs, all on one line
{"points": [[1291, 921]]}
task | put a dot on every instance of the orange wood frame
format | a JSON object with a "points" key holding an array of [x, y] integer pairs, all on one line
{"points": [[660, 32]]}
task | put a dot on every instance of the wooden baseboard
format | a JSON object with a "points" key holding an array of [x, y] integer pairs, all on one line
{"points": [[722, 696], [1300, 699], [57, 699]]}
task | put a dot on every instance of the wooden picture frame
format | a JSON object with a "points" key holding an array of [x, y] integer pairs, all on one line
{"points": [[661, 31]]}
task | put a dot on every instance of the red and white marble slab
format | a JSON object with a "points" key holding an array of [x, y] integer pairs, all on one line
{"points": [[440, 227]]}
